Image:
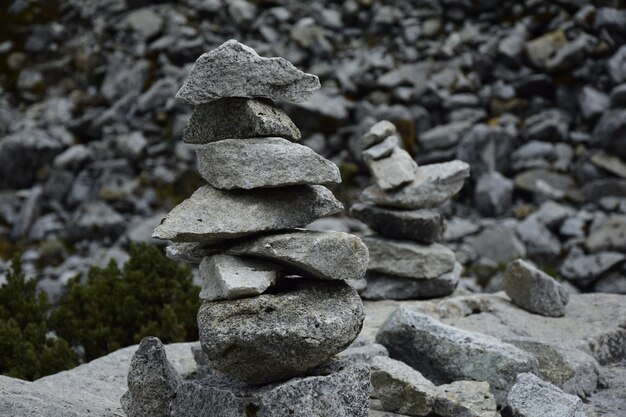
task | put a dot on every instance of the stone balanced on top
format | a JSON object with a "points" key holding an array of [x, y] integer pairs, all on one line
{"points": [[276, 306], [401, 206]]}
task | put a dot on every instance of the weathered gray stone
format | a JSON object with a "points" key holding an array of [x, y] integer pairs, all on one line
{"points": [[263, 162], [498, 243], [493, 195], [377, 134], [533, 397], [610, 235], [534, 290], [238, 118], [323, 255], [541, 244], [394, 170], [465, 399], [363, 352], [444, 136], [444, 353], [422, 225], [211, 215], [339, 387], [407, 259], [585, 269], [231, 277], [402, 389], [433, 185], [610, 131], [280, 335], [152, 381], [236, 70], [191, 252], [382, 149]]}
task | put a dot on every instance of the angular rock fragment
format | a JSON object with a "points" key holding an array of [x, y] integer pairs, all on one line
{"points": [[465, 399], [394, 170], [408, 259], [377, 134], [533, 397], [191, 252], [610, 235], [382, 149], [236, 70], [212, 215], [231, 277], [238, 118], [323, 255], [422, 225], [276, 336], [585, 269], [534, 290], [433, 185], [263, 162], [444, 353]]}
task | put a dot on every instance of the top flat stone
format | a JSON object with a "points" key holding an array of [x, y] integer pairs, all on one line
{"points": [[236, 70]]}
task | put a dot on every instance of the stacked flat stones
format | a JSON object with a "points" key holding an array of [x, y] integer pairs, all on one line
{"points": [[406, 262], [276, 304]]}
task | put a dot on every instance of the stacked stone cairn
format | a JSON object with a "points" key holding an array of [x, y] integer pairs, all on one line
{"points": [[276, 306], [406, 262]]}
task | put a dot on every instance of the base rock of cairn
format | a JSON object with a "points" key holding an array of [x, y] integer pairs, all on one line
{"points": [[276, 305], [401, 207]]}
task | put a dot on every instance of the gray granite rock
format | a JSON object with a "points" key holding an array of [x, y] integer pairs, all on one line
{"points": [[231, 277], [610, 235], [377, 134], [422, 225], [433, 185], [339, 387], [493, 194], [236, 70], [534, 290], [400, 388], [322, 255], [609, 131], [263, 162], [585, 269], [541, 244], [393, 171], [191, 252], [533, 397], [498, 243], [407, 259], [444, 353], [152, 381], [276, 336], [382, 149], [363, 352], [465, 399], [211, 215], [238, 118]]}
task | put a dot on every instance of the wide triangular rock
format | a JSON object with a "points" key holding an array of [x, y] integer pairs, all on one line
{"points": [[263, 162], [236, 70], [212, 215], [239, 118]]}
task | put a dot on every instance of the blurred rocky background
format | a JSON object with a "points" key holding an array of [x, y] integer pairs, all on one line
{"points": [[532, 94]]}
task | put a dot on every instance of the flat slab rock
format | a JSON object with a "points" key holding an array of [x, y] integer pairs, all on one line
{"points": [[433, 185], [394, 170], [282, 334], [238, 118], [263, 162], [236, 70], [213, 215]]}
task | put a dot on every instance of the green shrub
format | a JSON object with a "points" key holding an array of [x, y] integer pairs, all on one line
{"points": [[114, 308], [27, 349]]}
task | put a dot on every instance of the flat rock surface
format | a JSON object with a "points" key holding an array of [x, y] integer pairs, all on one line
{"points": [[238, 118], [263, 162], [236, 70], [211, 215], [394, 170], [281, 334]]}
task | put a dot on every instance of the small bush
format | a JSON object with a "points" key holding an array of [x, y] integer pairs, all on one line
{"points": [[27, 348], [116, 307]]}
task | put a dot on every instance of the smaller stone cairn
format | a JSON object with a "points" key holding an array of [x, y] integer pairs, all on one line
{"points": [[406, 262], [276, 306]]}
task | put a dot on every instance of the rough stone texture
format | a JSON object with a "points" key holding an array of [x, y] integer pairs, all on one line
{"points": [[238, 118], [263, 162], [236, 70], [382, 149], [400, 388], [280, 335], [363, 352], [211, 214], [534, 290], [610, 235], [422, 225], [191, 252], [231, 277], [408, 259], [377, 134], [339, 387], [389, 287], [394, 170], [533, 397], [493, 194], [323, 255], [152, 381], [498, 243], [444, 353], [465, 399], [433, 185], [585, 269]]}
